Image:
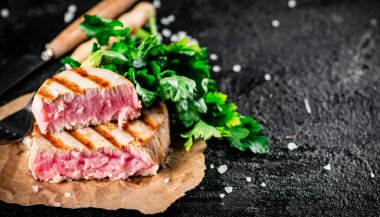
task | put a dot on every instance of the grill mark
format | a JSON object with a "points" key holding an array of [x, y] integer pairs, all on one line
{"points": [[107, 136], [82, 139], [43, 92], [133, 133], [97, 80], [149, 122], [68, 84]]}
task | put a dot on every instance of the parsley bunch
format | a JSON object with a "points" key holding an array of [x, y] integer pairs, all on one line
{"points": [[177, 73]]}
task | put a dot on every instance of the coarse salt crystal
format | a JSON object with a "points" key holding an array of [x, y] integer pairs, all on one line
{"points": [[267, 77], [35, 188], [181, 35], [292, 3], [171, 18], [212, 166], [57, 204], [166, 32], [69, 16], [275, 23], [307, 105], [228, 189], [157, 3], [192, 41], [68, 194], [164, 21], [166, 180], [327, 167], [213, 56], [373, 21], [174, 38], [372, 175], [72, 8], [236, 68], [4, 12], [249, 179], [216, 68], [159, 37], [222, 169], [263, 184], [222, 195], [292, 146]]}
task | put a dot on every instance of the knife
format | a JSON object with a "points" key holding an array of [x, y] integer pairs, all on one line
{"points": [[67, 40]]}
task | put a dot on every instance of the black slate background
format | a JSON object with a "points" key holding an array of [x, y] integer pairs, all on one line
{"points": [[325, 50]]}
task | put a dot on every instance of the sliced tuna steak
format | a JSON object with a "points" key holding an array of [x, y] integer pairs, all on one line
{"points": [[82, 97], [104, 151]]}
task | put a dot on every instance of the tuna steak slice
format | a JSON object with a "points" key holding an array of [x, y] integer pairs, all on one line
{"points": [[82, 97], [104, 151]]}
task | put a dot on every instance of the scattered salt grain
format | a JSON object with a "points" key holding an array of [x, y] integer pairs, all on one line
{"points": [[236, 68], [372, 175], [292, 3], [72, 8], [292, 146], [166, 180], [192, 41], [216, 68], [174, 38], [67, 66], [373, 22], [222, 169], [267, 77], [57, 204], [171, 18], [4, 12], [159, 37], [35, 188], [307, 105], [212, 166], [157, 3], [213, 56], [167, 20], [222, 195], [68, 17], [68, 194], [166, 32], [181, 35], [228, 189], [275, 23], [263, 184], [249, 179], [327, 167]]}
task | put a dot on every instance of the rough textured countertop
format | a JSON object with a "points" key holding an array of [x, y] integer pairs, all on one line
{"points": [[324, 51]]}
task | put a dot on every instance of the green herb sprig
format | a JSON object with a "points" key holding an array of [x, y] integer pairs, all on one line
{"points": [[177, 73]]}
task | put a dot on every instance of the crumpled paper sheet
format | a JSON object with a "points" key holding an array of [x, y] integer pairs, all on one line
{"points": [[149, 195]]}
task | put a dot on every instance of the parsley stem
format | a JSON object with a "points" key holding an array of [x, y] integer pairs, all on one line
{"points": [[152, 23]]}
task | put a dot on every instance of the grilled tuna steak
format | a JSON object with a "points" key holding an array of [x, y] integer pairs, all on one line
{"points": [[104, 151], [82, 97]]}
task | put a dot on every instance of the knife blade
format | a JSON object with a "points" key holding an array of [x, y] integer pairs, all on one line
{"points": [[67, 40]]}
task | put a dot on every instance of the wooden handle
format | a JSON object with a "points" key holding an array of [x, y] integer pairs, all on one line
{"points": [[72, 35], [134, 19]]}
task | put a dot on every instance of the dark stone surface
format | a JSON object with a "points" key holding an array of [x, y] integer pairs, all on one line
{"points": [[325, 50]]}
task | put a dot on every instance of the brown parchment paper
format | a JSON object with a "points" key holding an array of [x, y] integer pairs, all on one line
{"points": [[149, 195]]}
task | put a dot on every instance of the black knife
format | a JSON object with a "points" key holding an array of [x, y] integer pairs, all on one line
{"points": [[66, 41]]}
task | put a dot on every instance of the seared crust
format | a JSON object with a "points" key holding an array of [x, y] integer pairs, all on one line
{"points": [[150, 134], [76, 81]]}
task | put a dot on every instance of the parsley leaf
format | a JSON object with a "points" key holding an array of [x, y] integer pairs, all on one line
{"points": [[69, 61], [102, 29]]}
